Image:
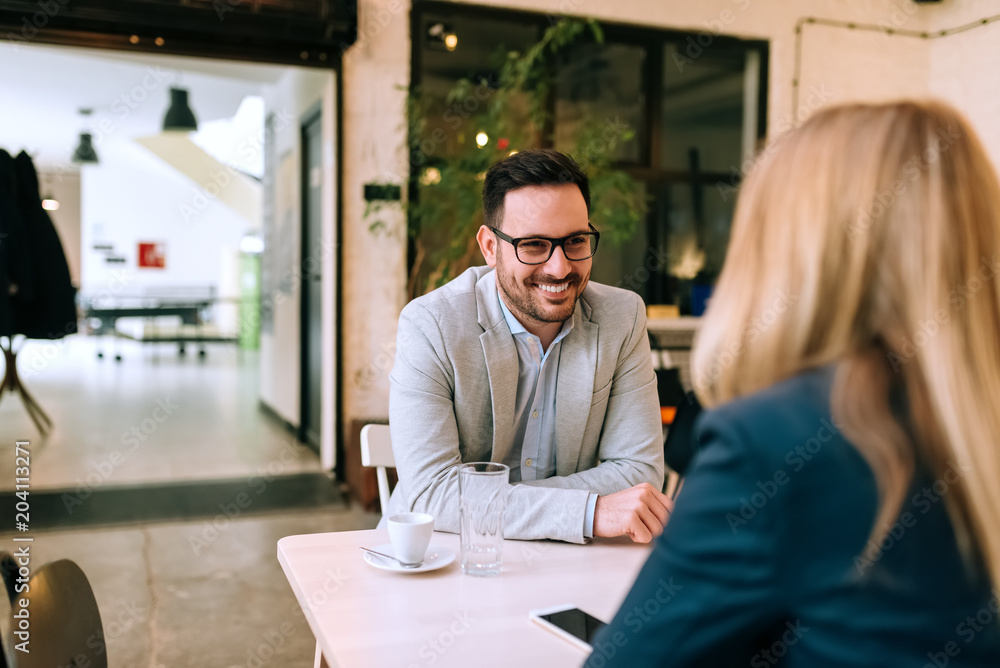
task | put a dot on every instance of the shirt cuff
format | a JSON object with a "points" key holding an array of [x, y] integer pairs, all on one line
{"points": [[588, 520]]}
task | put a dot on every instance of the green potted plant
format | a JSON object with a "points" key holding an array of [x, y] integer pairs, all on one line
{"points": [[485, 122]]}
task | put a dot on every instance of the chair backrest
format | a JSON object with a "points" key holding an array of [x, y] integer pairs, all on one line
{"points": [[679, 446], [670, 392], [8, 595], [376, 451], [66, 627]]}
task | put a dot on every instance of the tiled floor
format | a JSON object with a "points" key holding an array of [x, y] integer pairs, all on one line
{"points": [[187, 594], [146, 418]]}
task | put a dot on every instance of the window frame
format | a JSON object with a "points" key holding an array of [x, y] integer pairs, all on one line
{"points": [[650, 170]]}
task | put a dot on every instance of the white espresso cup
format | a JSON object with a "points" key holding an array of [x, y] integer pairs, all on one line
{"points": [[410, 534]]}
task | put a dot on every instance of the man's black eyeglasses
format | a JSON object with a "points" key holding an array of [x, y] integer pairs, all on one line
{"points": [[538, 250]]}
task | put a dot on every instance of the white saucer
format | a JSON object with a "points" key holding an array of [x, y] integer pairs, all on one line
{"points": [[436, 557]]}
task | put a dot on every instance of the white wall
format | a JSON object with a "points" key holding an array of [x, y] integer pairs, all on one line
{"points": [[374, 270], [133, 196], [295, 94], [964, 71], [65, 188]]}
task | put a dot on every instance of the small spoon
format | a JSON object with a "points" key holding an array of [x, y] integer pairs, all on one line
{"points": [[404, 565]]}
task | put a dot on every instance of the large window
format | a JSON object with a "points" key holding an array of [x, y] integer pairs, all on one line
{"points": [[694, 112]]}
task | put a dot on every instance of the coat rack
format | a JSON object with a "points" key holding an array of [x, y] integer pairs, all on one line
{"points": [[37, 295], [12, 383]]}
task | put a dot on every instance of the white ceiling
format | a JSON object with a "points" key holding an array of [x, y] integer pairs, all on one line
{"points": [[42, 88]]}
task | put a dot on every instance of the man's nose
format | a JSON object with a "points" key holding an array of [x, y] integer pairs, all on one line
{"points": [[558, 265]]}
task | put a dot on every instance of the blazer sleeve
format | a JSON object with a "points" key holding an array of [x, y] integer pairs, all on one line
{"points": [[425, 443], [709, 590]]}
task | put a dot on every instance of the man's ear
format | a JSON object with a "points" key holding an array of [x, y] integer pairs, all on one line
{"points": [[488, 245]]}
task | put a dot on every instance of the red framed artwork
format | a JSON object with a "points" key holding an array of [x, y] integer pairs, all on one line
{"points": [[152, 255]]}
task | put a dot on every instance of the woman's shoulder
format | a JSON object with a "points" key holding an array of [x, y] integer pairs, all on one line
{"points": [[784, 425]]}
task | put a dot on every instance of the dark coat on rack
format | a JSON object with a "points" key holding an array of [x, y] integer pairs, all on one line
{"points": [[16, 275], [51, 314]]}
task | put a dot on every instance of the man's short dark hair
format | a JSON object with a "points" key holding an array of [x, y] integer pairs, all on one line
{"points": [[533, 167]]}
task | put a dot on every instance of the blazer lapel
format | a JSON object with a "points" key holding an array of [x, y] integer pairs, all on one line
{"points": [[577, 368], [501, 364]]}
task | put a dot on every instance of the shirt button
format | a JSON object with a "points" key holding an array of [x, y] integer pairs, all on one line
{"points": [[534, 414], [527, 462]]}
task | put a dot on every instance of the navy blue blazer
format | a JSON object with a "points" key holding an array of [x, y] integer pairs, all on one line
{"points": [[766, 560]]}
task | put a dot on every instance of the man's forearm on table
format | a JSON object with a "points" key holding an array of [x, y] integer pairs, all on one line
{"points": [[532, 512]]}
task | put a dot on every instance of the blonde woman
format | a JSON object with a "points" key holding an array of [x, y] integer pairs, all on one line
{"points": [[844, 505]]}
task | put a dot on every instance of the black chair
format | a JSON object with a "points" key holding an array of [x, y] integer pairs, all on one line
{"points": [[66, 627], [669, 387], [679, 445], [8, 573]]}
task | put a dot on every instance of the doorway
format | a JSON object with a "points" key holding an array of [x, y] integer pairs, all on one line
{"points": [[312, 281]]}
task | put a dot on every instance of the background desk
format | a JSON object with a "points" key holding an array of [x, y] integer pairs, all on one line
{"points": [[362, 616], [192, 306]]}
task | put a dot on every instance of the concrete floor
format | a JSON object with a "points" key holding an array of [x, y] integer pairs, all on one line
{"points": [[153, 417], [167, 601], [170, 594]]}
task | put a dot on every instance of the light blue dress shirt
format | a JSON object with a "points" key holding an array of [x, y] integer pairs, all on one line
{"points": [[533, 455]]}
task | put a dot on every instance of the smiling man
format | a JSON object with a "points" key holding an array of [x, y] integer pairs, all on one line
{"points": [[528, 363]]}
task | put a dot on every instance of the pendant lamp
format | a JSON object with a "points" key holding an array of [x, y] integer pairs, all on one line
{"points": [[85, 152], [179, 116]]}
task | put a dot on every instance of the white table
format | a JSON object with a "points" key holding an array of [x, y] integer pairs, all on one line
{"points": [[362, 616]]}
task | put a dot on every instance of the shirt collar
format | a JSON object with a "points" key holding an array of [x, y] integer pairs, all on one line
{"points": [[516, 327]]}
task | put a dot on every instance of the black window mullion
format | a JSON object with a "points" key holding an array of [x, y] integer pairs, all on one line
{"points": [[654, 102]]}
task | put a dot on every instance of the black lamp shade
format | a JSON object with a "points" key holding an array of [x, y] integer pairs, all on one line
{"points": [[179, 115], [85, 151]]}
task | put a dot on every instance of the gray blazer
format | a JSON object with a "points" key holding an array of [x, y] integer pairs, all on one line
{"points": [[453, 388]]}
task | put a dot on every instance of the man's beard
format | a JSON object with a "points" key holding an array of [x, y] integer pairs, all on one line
{"points": [[523, 299]]}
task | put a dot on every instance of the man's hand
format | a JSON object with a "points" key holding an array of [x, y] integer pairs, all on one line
{"points": [[638, 512]]}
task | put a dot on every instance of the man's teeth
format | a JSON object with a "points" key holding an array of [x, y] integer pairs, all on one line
{"points": [[554, 288]]}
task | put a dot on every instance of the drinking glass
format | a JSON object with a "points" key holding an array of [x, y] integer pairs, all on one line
{"points": [[482, 490]]}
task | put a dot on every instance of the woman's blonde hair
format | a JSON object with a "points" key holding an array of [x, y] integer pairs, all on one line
{"points": [[868, 238]]}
